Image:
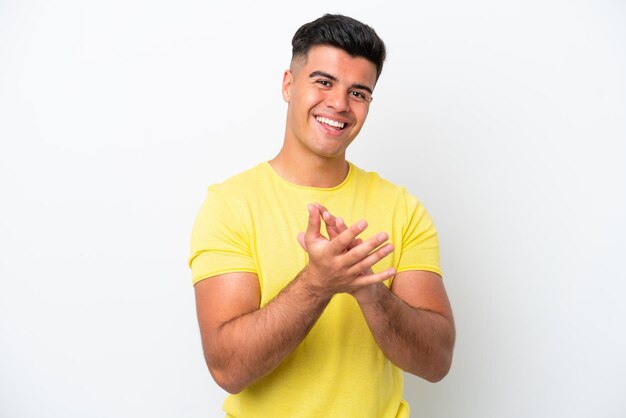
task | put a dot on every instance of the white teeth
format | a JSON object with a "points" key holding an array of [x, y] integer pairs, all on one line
{"points": [[331, 122]]}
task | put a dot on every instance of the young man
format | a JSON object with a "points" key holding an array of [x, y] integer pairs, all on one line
{"points": [[320, 323]]}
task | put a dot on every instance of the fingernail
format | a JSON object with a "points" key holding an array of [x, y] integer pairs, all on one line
{"points": [[362, 224]]}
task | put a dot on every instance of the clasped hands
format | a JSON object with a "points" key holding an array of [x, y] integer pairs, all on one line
{"points": [[343, 261]]}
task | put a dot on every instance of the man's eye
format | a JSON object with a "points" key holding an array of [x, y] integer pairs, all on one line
{"points": [[359, 96], [324, 83]]}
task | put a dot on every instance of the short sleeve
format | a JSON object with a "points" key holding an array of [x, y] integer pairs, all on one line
{"points": [[220, 240], [420, 243]]}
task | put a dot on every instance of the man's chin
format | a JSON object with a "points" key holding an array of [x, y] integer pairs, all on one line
{"points": [[331, 149], [331, 154]]}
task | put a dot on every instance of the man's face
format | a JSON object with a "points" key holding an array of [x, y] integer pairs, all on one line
{"points": [[329, 94]]}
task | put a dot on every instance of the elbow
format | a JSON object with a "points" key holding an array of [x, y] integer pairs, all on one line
{"points": [[227, 381], [438, 372], [231, 387], [441, 360], [440, 363], [228, 371], [436, 369], [223, 374], [433, 369]]}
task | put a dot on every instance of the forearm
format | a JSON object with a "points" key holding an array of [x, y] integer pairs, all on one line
{"points": [[251, 342], [417, 340], [250, 346]]}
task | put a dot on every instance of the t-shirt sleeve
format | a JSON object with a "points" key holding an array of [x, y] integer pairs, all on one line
{"points": [[220, 240], [420, 243]]}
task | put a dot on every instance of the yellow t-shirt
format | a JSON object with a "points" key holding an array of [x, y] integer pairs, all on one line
{"points": [[250, 223]]}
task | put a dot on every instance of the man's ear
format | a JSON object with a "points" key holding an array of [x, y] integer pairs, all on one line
{"points": [[287, 81]]}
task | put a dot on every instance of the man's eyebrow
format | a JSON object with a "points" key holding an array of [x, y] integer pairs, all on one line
{"points": [[333, 78], [362, 87], [322, 74]]}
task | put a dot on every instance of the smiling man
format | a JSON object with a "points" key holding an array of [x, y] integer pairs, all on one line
{"points": [[317, 283]]}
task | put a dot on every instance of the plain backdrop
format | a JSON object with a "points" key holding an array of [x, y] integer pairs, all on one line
{"points": [[506, 118]]}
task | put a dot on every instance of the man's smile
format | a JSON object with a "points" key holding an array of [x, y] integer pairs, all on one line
{"points": [[330, 122]]}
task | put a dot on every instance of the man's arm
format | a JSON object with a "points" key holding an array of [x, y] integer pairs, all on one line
{"points": [[243, 342], [412, 322]]}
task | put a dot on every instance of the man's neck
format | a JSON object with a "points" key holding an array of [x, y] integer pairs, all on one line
{"points": [[314, 171]]}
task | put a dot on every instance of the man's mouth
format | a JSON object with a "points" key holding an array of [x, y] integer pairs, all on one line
{"points": [[330, 122]]}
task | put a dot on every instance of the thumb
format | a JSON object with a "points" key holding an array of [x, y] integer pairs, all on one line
{"points": [[301, 240], [313, 228]]}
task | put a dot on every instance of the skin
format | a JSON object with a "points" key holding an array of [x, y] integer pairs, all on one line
{"points": [[411, 322], [312, 153]]}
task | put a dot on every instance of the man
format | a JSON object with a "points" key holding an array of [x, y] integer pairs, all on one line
{"points": [[320, 323]]}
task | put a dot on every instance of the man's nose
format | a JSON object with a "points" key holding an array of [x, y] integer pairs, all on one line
{"points": [[338, 100]]}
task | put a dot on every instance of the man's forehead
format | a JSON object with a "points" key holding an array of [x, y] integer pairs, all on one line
{"points": [[334, 61]]}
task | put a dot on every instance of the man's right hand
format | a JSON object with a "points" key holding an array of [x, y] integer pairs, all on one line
{"points": [[338, 264]]}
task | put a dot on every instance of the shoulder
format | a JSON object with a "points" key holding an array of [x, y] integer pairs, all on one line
{"points": [[230, 198], [394, 198], [245, 180], [375, 183]]}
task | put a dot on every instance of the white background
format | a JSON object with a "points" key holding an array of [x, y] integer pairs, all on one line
{"points": [[506, 118]]}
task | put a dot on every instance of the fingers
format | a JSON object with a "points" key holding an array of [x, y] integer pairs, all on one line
{"points": [[344, 261], [341, 226], [332, 225], [346, 238], [359, 255], [365, 264], [313, 227], [361, 251], [372, 278]]}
